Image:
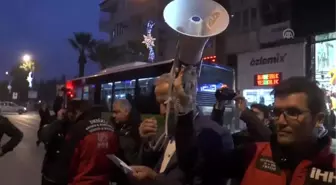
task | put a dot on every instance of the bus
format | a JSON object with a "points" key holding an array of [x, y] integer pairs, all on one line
{"points": [[137, 80]]}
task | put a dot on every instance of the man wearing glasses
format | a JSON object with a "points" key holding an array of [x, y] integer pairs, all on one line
{"points": [[296, 155]]}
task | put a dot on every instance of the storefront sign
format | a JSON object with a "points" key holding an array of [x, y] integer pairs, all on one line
{"points": [[278, 58], [286, 61], [269, 79]]}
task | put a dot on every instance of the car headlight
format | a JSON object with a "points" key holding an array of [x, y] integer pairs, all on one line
{"points": [[24, 108]]}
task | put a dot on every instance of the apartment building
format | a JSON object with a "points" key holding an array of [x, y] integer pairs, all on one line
{"points": [[125, 21], [254, 22]]}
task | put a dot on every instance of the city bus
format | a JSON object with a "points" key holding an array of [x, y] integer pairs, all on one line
{"points": [[137, 79]]}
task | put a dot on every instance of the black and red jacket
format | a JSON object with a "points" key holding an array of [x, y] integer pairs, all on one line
{"points": [[83, 159], [259, 163], [271, 164]]}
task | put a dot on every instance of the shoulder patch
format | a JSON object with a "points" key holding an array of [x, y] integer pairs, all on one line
{"points": [[265, 163]]}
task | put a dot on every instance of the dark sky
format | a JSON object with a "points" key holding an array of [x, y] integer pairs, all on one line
{"points": [[41, 28]]}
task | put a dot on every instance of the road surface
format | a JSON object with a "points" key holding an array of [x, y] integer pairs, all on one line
{"points": [[23, 165]]}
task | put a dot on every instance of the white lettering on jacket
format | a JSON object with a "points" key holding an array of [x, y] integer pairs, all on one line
{"points": [[324, 176]]}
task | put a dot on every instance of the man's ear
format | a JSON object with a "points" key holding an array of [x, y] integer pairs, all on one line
{"points": [[319, 119]]}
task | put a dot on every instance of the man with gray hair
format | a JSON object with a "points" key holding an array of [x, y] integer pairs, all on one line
{"points": [[166, 170], [126, 121], [121, 110]]}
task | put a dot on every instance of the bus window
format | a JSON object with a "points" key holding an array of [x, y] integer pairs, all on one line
{"points": [[146, 86], [106, 94], [122, 88], [146, 101], [86, 92]]}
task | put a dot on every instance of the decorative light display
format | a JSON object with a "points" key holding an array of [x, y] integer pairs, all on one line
{"points": [[30, 79], [28, 65], [149, 41]]}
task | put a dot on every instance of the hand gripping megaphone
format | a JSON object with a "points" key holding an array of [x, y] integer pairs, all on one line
{"points": [[195, 21]]}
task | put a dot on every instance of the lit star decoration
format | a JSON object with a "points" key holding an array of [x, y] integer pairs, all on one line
{"points": [[149, 41], [30, 79]]}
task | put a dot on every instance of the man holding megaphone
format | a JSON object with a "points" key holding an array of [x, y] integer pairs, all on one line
{"points": [[167, 170], [195, 21]]}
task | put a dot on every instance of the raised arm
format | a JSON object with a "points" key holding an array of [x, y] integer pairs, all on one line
{"points": [[13, 132]]}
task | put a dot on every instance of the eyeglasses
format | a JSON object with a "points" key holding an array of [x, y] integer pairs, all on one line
{"points": [[289, 113]]}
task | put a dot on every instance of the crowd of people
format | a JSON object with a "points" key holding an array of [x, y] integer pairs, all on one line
{"points": [[285, 145]]}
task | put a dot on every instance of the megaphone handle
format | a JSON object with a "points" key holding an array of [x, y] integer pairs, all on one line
{"points": [[170, 89]]}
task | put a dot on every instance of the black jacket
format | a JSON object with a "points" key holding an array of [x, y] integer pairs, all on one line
{"points": [[57, 104], [6, 127], [176, 175], [45, 117], [53, 135], [129, 138], [256, 130]]}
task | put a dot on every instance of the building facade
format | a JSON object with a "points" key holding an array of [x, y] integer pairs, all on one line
{"points": [[254, 23], [126, 22]]}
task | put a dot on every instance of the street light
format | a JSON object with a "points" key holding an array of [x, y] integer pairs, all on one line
{"points": [[9, 86], [26, 58]]}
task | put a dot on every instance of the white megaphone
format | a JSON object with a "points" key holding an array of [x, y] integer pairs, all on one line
{"points": [[196, 21]]}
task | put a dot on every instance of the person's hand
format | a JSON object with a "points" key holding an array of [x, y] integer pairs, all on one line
{"points": [[184, 99], [142, 173], [178, 82], [241, 102], [148, 128], [60, 114]]}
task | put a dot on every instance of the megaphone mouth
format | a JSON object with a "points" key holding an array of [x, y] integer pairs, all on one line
{"points": [[196, 19], [201, 18]]}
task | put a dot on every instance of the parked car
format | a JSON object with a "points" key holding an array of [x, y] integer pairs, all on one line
{"points": [[12, 107]]}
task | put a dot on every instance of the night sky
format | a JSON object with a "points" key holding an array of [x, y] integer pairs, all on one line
{"points": [[41, 28]]}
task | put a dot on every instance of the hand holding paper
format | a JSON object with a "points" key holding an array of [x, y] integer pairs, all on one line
{"points": [[121, 164]]}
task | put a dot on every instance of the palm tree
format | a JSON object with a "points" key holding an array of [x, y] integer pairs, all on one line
{"points": [[28, 66], [105, 55], [82, 42]]}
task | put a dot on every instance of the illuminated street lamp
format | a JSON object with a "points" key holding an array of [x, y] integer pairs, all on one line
{"points": [[26, 58], [9, 86]]}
